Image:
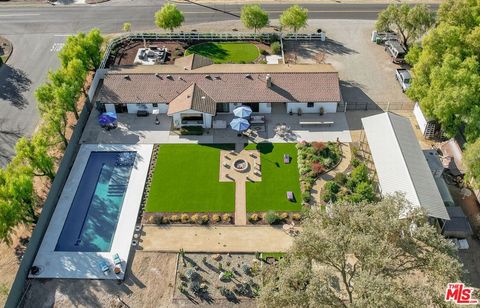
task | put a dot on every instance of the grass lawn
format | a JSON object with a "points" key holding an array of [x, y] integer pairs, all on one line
{"points": [[229, 52], [277, 179], [186, 180]]}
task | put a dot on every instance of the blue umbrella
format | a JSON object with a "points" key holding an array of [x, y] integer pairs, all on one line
{"points": [[239, 124], [242, 112], [107, 118]]}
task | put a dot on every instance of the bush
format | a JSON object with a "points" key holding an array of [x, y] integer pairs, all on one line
{"points": [[360, 174], [194, 218], [276, 48], [174, 218], [271, 217], [355, 151], [184, 218], [165, 220], [307, 187], [226, 218], [284, 216], [246, 269], [318, 146], [274, 38], [204, 219], [215, 218], [340, 178], [317, 168], [306, 197], [332, 187], [364, 192], [355, 162], [296, 216], [263, 52], [254, 217]]}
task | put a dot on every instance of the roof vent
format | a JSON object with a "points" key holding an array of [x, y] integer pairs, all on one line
{"points": [[248, 76], [217, 77], [269, 81], [157, 74], [180, 78], [169, 77], [126, 76], [208, 77]]}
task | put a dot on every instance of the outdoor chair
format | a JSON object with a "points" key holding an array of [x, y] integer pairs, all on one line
{"points": [[116, 259], [290, 196], [286, 158], [104, 267]]}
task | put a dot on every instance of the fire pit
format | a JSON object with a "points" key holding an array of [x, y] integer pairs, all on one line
{"points": [[240, 165]]}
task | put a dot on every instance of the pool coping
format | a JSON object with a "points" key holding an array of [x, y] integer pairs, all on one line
{"points": [[85, 265]]}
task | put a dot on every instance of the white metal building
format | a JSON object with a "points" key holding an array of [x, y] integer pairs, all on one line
{"points": [[400, 163]]}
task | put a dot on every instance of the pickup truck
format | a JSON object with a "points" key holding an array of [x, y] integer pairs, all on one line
{"points": [[403, 76]]}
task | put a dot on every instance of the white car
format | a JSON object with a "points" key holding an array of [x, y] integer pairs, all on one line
{"points": [[404, 78]]}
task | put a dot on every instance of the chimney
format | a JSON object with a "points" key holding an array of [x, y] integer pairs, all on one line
{"points": [[269, 81]]}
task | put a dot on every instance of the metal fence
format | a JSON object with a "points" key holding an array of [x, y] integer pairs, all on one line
{"points": [[385, 106], [198, 36]]}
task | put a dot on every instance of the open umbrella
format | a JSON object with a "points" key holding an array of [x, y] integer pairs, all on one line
{"points": [[107, 118], [239, 124], [242, 111]]}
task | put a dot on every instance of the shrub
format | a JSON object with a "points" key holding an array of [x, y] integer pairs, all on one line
{"points": [[195, 287], [355, 162], [184, 218], [296, 216], [276, 48], [165, 220], [318, 146], [284, 216], [204, 219], [317, 168], [355, 151], [271, 217], [340, 178], [274, 38], [365, 192], [328, 162], [307, 186], [306, 197], [246, 269], [332, 186], [191, 274], [254, 217], [150, 220], [194, 218], [263, 52], [215, 218], [174, 218], [359, 174], [227, 276], [226, 218]]}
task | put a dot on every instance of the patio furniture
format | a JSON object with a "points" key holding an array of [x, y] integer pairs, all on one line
{"points": [[290, 196], [329, 123], [142, 113], [104, 267], [242, 111], [116, 259], [225, 165], [233, 152], [259, 119], [286, 158]]}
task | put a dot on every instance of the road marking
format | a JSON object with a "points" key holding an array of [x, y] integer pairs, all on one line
{"points": [[235, 12], [57, 47], [62, 34], [19, 15]]}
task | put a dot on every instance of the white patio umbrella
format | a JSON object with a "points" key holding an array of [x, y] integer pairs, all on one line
{"points": [[239, 124], [242, 111]]}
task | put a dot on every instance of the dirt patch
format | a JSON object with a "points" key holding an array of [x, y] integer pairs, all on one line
{"points": [[6, 49]]}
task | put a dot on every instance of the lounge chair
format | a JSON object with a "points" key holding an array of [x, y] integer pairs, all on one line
{"points": [[116, 259], [290, 196], [104, 267], [286, 158]]}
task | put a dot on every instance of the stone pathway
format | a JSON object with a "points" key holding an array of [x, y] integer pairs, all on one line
{"points": [[240, 203], [172, 238], [346, 158]]}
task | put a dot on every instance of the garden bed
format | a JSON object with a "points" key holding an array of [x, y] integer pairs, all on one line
{"points": [[206, 277], [273, 218], [188, 218]]}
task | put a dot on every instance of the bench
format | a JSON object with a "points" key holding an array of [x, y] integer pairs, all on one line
{"points": [[257, 119], [329, 123]]}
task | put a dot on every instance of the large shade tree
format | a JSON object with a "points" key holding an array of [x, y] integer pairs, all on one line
{"points": [[411, 22], [254, 17], [169, 17], [363, 255], [86, 47], [295, 18]]}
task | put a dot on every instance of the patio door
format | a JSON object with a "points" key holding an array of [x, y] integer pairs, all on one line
{"points": [[223, 107], [254, 106]]}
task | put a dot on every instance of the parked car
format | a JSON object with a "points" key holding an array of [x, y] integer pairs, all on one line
{"points": [[396, 51], [404, 78]]}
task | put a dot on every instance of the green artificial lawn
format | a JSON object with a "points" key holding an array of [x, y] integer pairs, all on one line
{"points": [[186, 179], [230, 52], [277, 179]]}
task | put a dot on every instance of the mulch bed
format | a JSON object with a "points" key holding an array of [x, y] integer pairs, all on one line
{"points": [[164, 218]]}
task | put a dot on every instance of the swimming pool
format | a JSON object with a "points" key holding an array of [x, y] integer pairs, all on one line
{"points": [[93, 216]]}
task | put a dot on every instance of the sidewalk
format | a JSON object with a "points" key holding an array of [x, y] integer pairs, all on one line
{"points": [[215, 239]]}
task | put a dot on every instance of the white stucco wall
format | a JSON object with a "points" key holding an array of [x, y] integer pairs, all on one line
{"points": [[110, 108], [265, 108], [327, 107]]}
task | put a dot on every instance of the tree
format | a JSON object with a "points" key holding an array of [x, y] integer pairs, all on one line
{"points": [[363, 255], [446, 69], [126, 26], [471, 158], [254, 17], [410, 22], [295, 17], [34, 153], [169, 17], [85, 47]]}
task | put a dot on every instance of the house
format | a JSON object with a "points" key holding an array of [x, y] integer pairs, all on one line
{"points": [[401, 165], [194, 90]]}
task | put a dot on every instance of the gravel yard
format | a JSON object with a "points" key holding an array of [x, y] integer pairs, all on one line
{"points": [[366, 72]]}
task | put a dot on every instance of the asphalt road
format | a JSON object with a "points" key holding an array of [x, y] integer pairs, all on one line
{"points": [[38, 32]]}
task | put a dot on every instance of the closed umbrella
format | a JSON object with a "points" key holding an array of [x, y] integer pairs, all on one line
{"points": [[239, 124], [107, 118], [242, 112]]}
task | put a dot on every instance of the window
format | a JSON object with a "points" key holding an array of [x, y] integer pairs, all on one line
{"points": [[310, 105]]}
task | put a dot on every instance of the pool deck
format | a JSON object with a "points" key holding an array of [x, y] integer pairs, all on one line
{"points": [[85, 265]]}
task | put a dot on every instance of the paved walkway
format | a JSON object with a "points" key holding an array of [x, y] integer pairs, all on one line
{"points": [[172, 238], [240, 203], [346, 158]]}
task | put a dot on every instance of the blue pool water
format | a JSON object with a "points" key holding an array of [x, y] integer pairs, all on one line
{"points": [[93, 216]]}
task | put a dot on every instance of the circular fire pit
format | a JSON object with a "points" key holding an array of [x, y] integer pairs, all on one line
{"points": [[240, 165]]}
